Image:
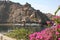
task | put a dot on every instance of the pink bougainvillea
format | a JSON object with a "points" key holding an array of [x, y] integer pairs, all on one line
{"points": [[51, 33], [46, 34], [58, 38]]}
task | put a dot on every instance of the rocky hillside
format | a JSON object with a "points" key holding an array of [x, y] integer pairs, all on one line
{"points": [[49, 15], [14, 13]]}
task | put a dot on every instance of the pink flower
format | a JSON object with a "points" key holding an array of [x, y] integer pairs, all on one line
{"points": [[58, 26], [56, 17], [39, 37], [57, 33], [46, 34], [48, 22], [58, 38]]}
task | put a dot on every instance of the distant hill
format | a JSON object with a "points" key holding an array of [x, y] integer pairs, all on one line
{"points": [[15, 13]]}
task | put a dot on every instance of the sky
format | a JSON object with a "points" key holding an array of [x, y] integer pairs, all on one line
{"points": [[45, 6]]}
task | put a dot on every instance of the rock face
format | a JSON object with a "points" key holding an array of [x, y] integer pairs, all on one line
{"points": [[49, 15], [15, 13]]}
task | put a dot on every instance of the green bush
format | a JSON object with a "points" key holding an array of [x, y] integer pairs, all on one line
{"points": [[21, 33]]}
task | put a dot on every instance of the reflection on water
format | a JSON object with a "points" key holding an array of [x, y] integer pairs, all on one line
{"points": [[8, 27]]}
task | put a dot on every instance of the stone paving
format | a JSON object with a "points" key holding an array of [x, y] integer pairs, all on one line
{"points": [[3, 37]]}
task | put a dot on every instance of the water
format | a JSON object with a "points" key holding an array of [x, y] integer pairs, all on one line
{"points": [[8, 27]]}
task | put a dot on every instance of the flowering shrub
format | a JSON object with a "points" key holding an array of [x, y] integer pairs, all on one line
{"points": [[47, 34], [48, 23], [56, 19], [51, 33]]}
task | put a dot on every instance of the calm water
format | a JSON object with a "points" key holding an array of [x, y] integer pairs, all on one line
{"points": [[8, 27]]}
